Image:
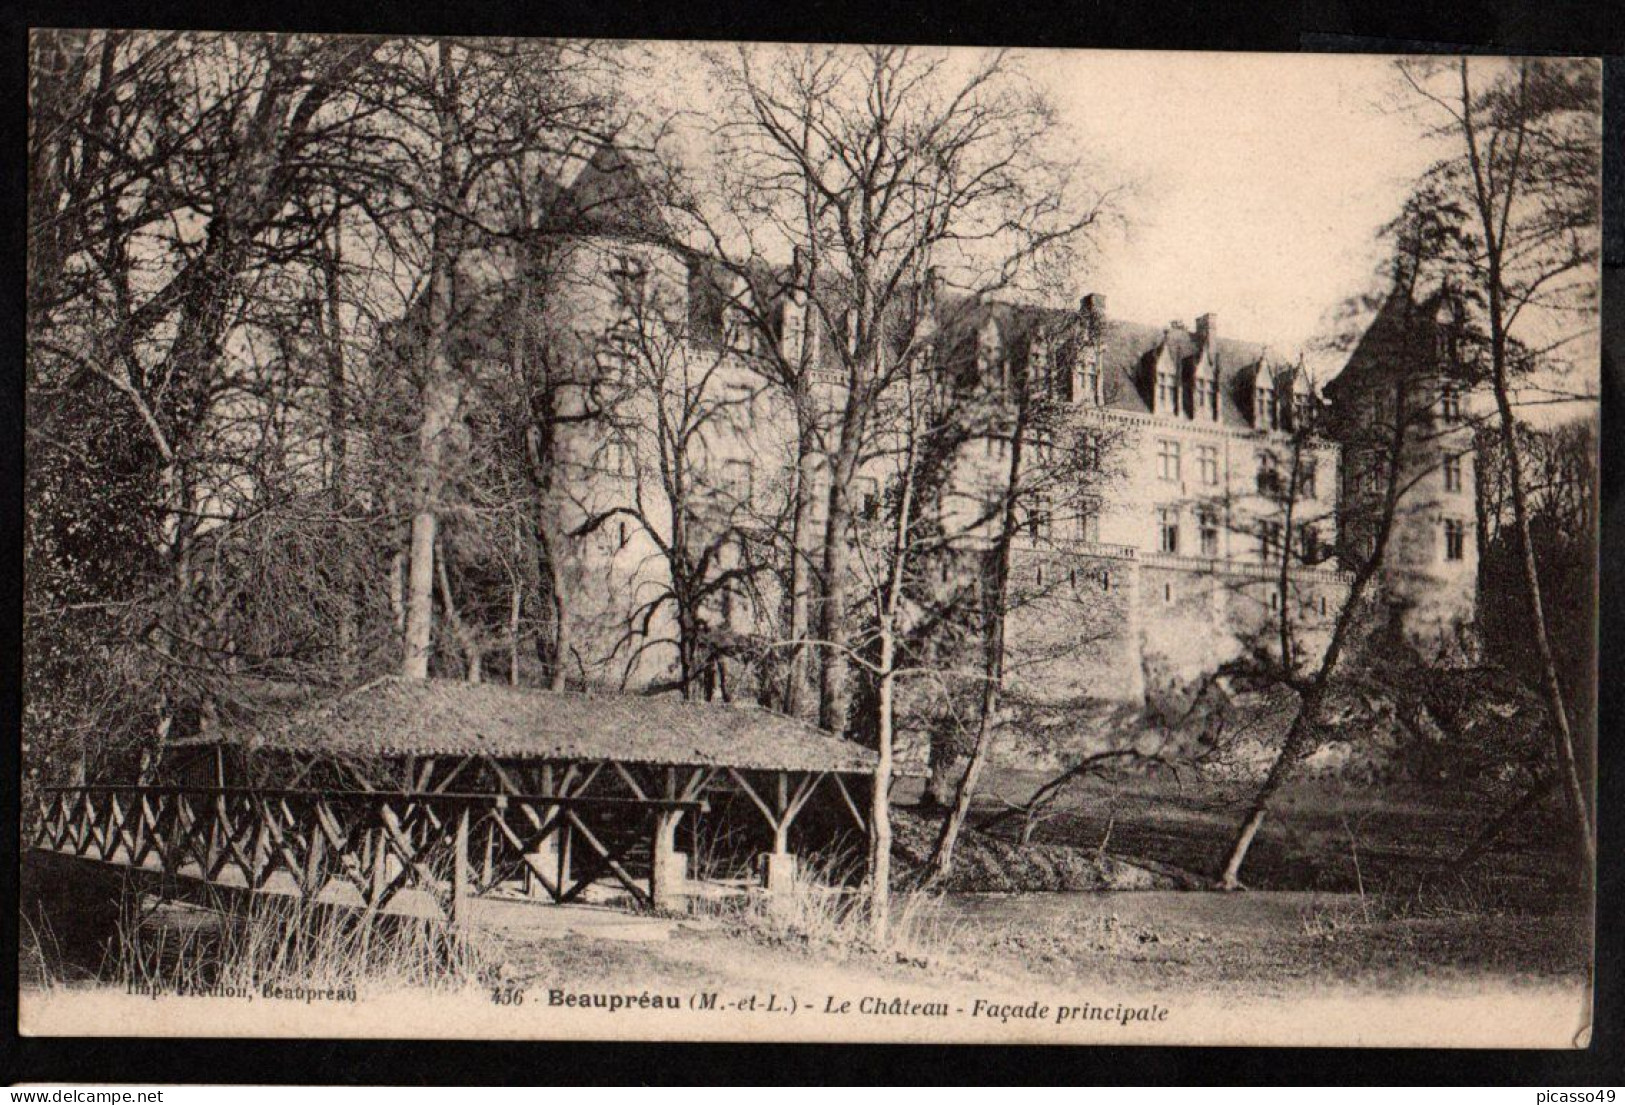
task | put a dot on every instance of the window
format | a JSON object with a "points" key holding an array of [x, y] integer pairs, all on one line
{"points": [[1207, 464], [1038, 518], [1168, 459], [1309, 544], [630, 278], [866, 498], [1306, 480], [1207, 525], [1449, 404], [1088, 454], [1455, 539], [1167, 391], [1265, 415], [1038, 363], [1452, 473], [794, 329], [617, 458], [1088, 523], [1269, 474], [1207, 398], [1302, 412], [1168, 523], [1269, 541]]}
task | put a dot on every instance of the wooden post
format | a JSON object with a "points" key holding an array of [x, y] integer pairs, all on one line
{"points": [[779, 866], [314, 872], [668, 868], [459, 874], [380, 874], [564, 838]]}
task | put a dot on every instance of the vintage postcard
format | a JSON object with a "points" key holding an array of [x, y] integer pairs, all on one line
{"points": [[724, 541]]}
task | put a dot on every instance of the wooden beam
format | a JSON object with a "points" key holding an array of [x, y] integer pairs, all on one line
{"points": [[750, 791], [846, 798], [629, 779]]}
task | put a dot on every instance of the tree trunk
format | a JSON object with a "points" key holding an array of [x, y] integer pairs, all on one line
{"points": [[1508, 817], [1558, 722], [467, 638], [939, 784], [1492, 210], [1292, 750], [998, 597], [397, 592], [795, 675], [559, 646], [420, 575], [880, 836], [942, 858], [1294, 745], [834, 698], [516, 605], [439, 394]]}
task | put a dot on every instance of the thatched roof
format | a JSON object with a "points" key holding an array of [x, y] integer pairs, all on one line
{"points": [[394, 716]]}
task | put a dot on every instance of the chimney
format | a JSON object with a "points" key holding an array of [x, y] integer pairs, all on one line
{"points": [[1207, 329], [1093, 309]]}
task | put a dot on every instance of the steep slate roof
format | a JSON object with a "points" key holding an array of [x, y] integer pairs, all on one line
{"points": [[1388, 348], [608, 196], [1128, 353], [395, 716]]}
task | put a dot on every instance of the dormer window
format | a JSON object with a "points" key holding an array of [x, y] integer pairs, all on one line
{"points": [[794, 329], [1265, 414], [1086, 379], [1206, 397], [1302, 412], [1038, 364], [989, 355], [1167, 390]]}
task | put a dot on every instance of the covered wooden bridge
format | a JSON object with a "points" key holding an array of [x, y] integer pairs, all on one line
{"points": [[441, 792]]}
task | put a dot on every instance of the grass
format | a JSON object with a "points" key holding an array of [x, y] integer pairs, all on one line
{"points": [[260, 941], [1325, 835], [825, 910]]}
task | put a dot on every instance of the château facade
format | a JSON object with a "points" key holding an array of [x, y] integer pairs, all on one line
{"points": [[1217, 512]]}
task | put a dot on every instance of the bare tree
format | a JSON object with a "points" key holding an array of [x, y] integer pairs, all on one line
{"points": [[678, 415], [1522, 168], [876, 165], [1395, 409]]}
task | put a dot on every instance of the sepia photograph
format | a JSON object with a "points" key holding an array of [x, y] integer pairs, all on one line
{"points": [[707, 541]]}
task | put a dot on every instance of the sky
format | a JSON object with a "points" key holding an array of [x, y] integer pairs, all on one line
{"points": [[1257, 183], [1260, 181]]}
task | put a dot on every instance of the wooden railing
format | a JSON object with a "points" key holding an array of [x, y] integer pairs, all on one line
{"points": [[367, 849]]}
